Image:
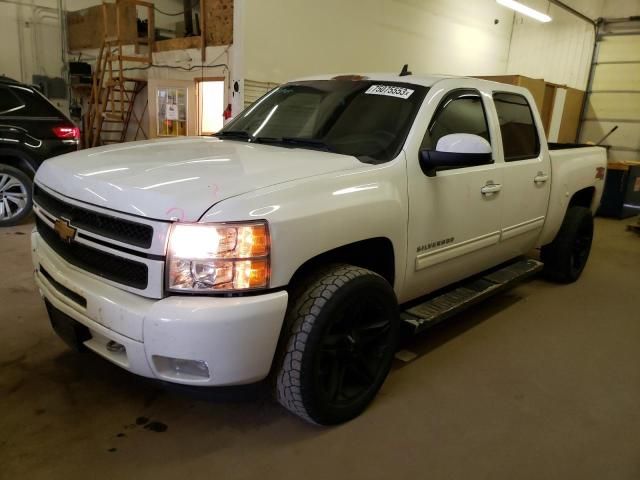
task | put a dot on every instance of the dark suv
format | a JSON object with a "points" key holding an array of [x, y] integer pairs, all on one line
{"points": [[32, 129]]}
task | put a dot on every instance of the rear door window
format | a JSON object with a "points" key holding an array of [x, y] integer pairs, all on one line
{"points": [[517, 127], [9, 103], [35, 104]]}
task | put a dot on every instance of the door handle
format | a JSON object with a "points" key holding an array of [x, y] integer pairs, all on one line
{"points": [[540, 178], [491, 188]]}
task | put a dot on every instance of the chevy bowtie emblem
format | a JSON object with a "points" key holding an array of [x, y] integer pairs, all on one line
{"points": [[65, 231]]}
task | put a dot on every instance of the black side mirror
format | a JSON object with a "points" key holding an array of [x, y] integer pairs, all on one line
{"points": [[431, 160]]}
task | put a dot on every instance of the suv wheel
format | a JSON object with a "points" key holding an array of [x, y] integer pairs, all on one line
{"points": [[16, 195], [343, 331]]}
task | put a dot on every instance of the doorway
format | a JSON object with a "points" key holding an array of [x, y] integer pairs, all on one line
{"points": [[211, 104]]}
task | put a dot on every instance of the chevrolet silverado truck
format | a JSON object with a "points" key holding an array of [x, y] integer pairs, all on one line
{"points": [[293, 245]]}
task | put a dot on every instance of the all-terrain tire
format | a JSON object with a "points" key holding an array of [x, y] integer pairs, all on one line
{"points": [[324, 328], [565, 258]]}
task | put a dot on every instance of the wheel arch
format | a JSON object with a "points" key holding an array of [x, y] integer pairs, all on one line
{"points": [[17, 159], [583, 198], [375, 254]]}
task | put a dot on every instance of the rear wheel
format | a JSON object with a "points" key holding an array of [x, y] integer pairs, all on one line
{"points": [[565, 258], [343, 331], [15, 195]]}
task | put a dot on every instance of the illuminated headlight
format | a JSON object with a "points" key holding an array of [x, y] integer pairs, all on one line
{"points": [[218, 257]]}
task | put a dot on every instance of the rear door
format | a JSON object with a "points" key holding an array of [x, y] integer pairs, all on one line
{"points": [[526, 173]]}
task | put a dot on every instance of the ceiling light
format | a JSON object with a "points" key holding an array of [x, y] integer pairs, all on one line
{"points": [[528, 11]]}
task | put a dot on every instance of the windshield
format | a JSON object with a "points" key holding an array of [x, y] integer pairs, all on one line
{"points": [[367, 119]]}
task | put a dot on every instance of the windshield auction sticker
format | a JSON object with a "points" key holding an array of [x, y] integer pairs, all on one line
{"points": [[389, 91]]}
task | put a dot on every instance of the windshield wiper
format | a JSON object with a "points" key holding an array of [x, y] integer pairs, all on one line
{"points": [[296, 142], [233, 134]]}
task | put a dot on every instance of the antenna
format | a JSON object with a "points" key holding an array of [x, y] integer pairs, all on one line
{"points": [[405, 70]]}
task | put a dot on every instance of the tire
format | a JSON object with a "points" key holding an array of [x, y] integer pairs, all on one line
{"points": [[16, 196], [565, 258], [342, 335]]}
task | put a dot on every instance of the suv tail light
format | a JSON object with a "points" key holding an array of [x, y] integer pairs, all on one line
{"points": [[67, 132]]}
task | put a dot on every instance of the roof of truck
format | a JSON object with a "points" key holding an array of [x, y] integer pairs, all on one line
{"points": [[425, 80]]}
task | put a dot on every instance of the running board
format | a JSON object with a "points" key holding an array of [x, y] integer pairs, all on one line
{"points": [[444, 305]]}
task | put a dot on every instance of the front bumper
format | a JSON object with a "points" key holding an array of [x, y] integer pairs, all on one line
{"points": [[235, 337]]}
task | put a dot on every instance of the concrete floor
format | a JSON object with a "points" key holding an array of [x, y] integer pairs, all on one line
{"points": [[542, 382]]}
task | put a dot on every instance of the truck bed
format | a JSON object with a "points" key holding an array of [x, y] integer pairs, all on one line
{"points": [[565, 146]]}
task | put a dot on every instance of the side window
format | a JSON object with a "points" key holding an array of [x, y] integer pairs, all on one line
{"points": [[519, 133], [35, 105], [9, 102], [460, 112]]}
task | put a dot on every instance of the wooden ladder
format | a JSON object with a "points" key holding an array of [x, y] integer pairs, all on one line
{"points": [[113, 92]]}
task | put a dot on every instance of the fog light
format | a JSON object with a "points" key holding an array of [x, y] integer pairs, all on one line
{"points": [[115, 347], [181, 368]]}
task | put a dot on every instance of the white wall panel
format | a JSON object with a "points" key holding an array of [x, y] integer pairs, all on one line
{"points": [[284, 39], [558, 51]]}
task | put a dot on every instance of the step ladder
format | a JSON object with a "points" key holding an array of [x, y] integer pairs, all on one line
{"points": [[113, 92], [445, 304]]}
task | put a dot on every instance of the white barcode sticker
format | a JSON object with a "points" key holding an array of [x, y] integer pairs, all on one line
{"points": [[389, 91]]}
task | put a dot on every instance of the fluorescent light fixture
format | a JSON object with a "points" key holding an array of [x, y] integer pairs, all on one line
{"points": [[528, 11]]}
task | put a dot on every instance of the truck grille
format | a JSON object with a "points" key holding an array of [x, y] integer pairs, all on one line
{"points": [[124, 231], [108, 266]]}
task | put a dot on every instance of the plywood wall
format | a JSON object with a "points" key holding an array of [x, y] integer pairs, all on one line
{"points": [[218, 22]]}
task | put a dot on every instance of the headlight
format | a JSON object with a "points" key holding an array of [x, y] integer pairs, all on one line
{"points": [[218, 257]]}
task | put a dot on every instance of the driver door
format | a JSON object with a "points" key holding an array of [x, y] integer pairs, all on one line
{"points": [[454, 228]]}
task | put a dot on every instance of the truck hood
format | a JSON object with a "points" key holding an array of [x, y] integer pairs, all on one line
{"points": [[180, 178]]}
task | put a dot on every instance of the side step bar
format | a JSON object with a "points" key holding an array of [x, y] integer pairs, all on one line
{"points": [[444, 305]]}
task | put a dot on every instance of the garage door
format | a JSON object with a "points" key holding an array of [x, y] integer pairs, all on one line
{"points": [[614, 90]]}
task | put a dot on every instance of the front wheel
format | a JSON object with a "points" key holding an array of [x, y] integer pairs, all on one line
{"points": [[15, 195], [565, 258], [343, 332]]}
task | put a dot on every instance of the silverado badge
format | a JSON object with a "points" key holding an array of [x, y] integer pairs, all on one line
{"points": [[65, 231]]}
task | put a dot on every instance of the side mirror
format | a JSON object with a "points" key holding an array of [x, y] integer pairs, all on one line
{"points": [[454, 151]]}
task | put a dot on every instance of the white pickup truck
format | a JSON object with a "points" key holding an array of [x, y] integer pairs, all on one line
{"points": [[294, 244]]}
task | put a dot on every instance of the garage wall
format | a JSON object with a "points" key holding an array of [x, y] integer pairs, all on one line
{"points": [[614, 97], [558, 51], [285, 39], [30, 40]]}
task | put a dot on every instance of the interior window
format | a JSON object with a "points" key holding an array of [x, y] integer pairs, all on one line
{"points": [[9, 102], [519, 134], [460, 112]]}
